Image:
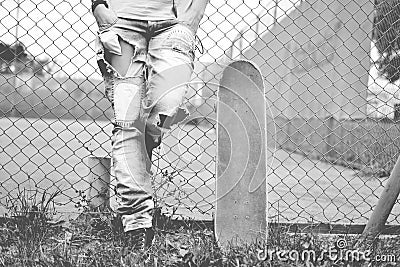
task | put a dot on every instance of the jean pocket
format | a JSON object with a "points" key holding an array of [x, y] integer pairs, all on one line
{"points": [[179, 39], [110, 41]]}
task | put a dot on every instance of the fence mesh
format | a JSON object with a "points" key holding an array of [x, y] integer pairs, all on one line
{"points": [[330, 69]]}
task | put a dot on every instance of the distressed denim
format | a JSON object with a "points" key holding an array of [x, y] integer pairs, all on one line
{"points": [[146, 101]]}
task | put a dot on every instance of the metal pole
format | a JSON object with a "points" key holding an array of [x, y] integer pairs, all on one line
{"points": [[17, 26], [16, 36], [14, 109], [385, 205]]}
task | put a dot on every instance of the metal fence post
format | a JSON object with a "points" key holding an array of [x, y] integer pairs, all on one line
{"points": [[98, 194], [330, 138], [385, 205], [396, 115]]}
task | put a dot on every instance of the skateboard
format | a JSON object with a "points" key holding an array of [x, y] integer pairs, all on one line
{"points": [[241, 195]]}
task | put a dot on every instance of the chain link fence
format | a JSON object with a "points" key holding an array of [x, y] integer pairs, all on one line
{"points": [[333, 135]]}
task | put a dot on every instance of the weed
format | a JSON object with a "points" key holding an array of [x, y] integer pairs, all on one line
{"points": [[29, 223]]}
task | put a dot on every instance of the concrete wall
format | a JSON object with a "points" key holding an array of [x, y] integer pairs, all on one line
{"points": [[316, 60]]}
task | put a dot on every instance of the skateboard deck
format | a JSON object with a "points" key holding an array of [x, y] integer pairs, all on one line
{"points": [[241, 198]]}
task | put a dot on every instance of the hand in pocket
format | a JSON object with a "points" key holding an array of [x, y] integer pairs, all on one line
{"points": [[110, 42]]}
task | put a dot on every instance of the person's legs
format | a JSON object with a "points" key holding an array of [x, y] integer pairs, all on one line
{"points": [[171, 54], [123, 66]]}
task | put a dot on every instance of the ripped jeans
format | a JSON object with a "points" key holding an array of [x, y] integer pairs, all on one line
{"points": [[146, 67]]}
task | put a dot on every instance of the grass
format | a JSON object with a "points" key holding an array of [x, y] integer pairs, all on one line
{"points": [[30, 236]]}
